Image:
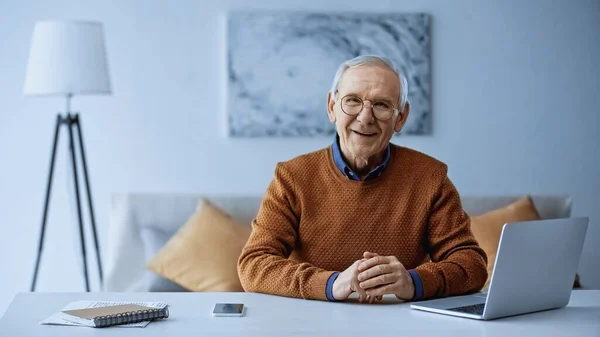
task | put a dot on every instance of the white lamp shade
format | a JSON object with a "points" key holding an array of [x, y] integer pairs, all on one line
{"points": [[67, 57]]}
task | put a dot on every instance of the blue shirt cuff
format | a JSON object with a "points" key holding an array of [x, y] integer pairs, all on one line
{"points": [[329, 288], [418, 284]]}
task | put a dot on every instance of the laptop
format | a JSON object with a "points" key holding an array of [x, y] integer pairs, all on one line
{"points": [[534, 271]]}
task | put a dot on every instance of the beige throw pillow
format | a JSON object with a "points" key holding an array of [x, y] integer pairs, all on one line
{"points": [[203, 254], [487, 227]]}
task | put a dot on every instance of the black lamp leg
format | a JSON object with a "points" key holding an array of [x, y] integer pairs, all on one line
{"points": [[89, 195], [47, 202], [76, 180]]}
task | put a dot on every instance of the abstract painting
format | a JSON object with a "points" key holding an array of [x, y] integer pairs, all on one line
{"points": [[282, 64]]}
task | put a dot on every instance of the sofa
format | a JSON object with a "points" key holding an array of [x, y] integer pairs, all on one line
{"points": [[140, 225]]}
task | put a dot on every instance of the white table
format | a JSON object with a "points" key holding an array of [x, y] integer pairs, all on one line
{"points": [[190, 315]]}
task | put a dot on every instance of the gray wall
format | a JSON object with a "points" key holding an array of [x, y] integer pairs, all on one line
{"points": [[515, 103]]}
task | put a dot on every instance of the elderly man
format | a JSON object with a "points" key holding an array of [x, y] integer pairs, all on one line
{"points": [[363, 215]]}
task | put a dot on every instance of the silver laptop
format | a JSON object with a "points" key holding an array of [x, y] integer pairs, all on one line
{"points": [[534, 270]]}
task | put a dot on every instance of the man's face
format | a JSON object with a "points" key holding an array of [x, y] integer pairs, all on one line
{"points": [[363, 136]]}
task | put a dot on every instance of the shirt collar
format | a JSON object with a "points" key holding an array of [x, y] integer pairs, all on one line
{"points": [[341, 164]]}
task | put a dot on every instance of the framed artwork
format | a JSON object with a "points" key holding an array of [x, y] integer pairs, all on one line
{"points": [[281, 66]]}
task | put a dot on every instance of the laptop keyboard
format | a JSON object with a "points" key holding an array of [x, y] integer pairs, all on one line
{"points": [[476, 309]]}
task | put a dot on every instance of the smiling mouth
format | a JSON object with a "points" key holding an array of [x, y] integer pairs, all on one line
{"points": [[365, 134]]}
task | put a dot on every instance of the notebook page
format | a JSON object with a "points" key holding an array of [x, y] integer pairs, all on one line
{"points": [[61, 318]]}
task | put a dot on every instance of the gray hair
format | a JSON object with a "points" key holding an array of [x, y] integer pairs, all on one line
{"points": [[372, 60]]}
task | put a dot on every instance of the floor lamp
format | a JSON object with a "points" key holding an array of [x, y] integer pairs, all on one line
{"points": [[68, 58]]}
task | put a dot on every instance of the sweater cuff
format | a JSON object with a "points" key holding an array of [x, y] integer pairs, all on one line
{"points": [[417, 283], [317, 286], [329, 288], [428, 281]]}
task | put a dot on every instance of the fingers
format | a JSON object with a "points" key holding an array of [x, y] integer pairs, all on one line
{"points": [[376, 260], [380, 280], [372, 299], [362, 298], [362, 293], [355, 287], [375, 271], [381, 266], [381, 290]]}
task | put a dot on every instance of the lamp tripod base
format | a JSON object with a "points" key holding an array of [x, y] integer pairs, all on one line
{"points": [[71, 121]]}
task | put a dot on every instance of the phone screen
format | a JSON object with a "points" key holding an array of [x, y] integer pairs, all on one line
{"points": [[228, 309]]}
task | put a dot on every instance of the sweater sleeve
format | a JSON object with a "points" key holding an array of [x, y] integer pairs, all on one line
{"points": [[458, 264], [263, 265]]}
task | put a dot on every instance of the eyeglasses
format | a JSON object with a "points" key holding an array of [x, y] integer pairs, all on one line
{"points": [[352, 105]]}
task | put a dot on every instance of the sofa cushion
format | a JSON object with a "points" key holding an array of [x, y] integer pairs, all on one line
{"points": [[154, 240], [203, 253], [487, 227], [547, 206]]}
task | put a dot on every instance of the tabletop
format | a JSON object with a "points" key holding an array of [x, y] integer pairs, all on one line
{"points": [[268, 315]]}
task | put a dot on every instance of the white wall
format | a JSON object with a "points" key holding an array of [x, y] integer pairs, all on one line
{"points": [[515, 101]]}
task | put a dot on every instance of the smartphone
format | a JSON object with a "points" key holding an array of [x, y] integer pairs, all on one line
{"points": [[228, 310]]}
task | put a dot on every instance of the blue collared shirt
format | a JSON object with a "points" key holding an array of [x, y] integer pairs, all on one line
{"points": [[341, 164]]}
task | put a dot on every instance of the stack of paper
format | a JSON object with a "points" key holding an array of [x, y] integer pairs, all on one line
{"points": [[62, 318]]}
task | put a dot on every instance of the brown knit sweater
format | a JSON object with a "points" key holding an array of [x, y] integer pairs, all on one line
{"points": [[314, 221]]}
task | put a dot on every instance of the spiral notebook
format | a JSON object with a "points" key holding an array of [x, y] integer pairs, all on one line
{"points": [[99, 314]]}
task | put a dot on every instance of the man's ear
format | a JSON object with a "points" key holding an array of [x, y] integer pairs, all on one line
{"points": [[402, 117], [330, 105]]}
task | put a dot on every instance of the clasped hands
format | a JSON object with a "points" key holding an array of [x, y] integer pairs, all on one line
{"points": [[372, 277]]}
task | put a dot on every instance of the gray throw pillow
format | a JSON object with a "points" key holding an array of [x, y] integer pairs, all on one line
{"points": [[154, 239]]}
